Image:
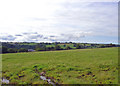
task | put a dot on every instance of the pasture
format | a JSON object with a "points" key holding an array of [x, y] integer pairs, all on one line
{"points": [[79, 66]]}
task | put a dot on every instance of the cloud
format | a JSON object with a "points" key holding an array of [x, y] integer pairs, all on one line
{"points": [[29, 37], [7, 37], [71, 36], [18, 35], [36, 37], [97, 17], [59, 20], [27, 33], [52, 36]]}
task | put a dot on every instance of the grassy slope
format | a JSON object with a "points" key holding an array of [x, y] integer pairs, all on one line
{"points": [[67, 67]]}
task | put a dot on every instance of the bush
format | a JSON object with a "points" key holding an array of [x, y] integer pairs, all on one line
{"points": [[78, 46], [23, 50], [57, 47], [11, 50], [67, 48], [4, 49]]}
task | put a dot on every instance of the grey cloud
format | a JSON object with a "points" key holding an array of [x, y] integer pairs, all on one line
{"points": [[7, 38], [35, 36], [74, 36], [30, 37], [39, 35], [45, 38], [26, 36], [89, 17], [18, 35], [27, 33], [53, 40], [52, 36]]}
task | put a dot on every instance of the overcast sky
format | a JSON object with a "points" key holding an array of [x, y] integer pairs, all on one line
{"points": [[59, 20]]}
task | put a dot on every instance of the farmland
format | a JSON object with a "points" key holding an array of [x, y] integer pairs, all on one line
{"points": [[79, 66], [16, 47]]}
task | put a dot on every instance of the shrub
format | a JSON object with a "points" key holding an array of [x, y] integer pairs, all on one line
{"points": [[78, 46], [23, 50], [57, 47], [11, 50], [4, 49], [67, 48]]}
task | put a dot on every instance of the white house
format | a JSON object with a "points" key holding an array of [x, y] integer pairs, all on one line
{"points": [[30, 50]]}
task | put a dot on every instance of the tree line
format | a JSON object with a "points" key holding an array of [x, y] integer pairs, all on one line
{"points": [[38, 48], [18, 47]]}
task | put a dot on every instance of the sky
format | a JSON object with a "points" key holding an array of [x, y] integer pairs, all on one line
{"points": [[59, 20]]}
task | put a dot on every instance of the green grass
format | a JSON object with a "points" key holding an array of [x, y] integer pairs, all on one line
{"points": [[28, 44], [80, 66], [62, 46], [70, 45], [50, 45]]}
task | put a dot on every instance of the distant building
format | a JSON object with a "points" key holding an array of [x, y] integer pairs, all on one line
{"points": [[30, 50]]}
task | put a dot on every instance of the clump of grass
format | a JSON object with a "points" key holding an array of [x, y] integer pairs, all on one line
{"points": [[38, 67], [70, 68], [24, 68], [14, 77], [104, 67]]}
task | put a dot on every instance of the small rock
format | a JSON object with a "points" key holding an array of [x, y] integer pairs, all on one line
{"points": [[83, 75], [43, 78], [93, 75], [42, 73]]}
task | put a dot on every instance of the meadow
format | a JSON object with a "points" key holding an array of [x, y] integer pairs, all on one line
{"points": [[79, 66]]}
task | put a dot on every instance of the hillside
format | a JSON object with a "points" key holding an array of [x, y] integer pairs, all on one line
{"points": [[80, 66]]}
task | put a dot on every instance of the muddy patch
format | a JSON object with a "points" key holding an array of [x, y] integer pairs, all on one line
{"points": [[5, 81], [43, 77], [48, 80]]}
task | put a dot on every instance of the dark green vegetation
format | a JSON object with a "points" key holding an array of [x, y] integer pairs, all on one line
{"points": [[80, 66], [14, 47]]}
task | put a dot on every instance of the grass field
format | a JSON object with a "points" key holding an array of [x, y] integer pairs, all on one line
{"points": [[80, 66]]}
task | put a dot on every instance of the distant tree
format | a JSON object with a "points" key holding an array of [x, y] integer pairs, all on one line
{"points": [[4, 49], [92, 44], [0, 49], [84, 44], [48, 48], [52, 48], [43, 48], [78, 46], [74, 45], [67, 48], [37, 46], [57, 47], [23, 50], [112, 45], [11, 50], [56, 43], [40, 47], [102, 46], [64, 45]]}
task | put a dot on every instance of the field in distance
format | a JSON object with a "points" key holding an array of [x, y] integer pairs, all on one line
{"points": [[80, 66]]}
